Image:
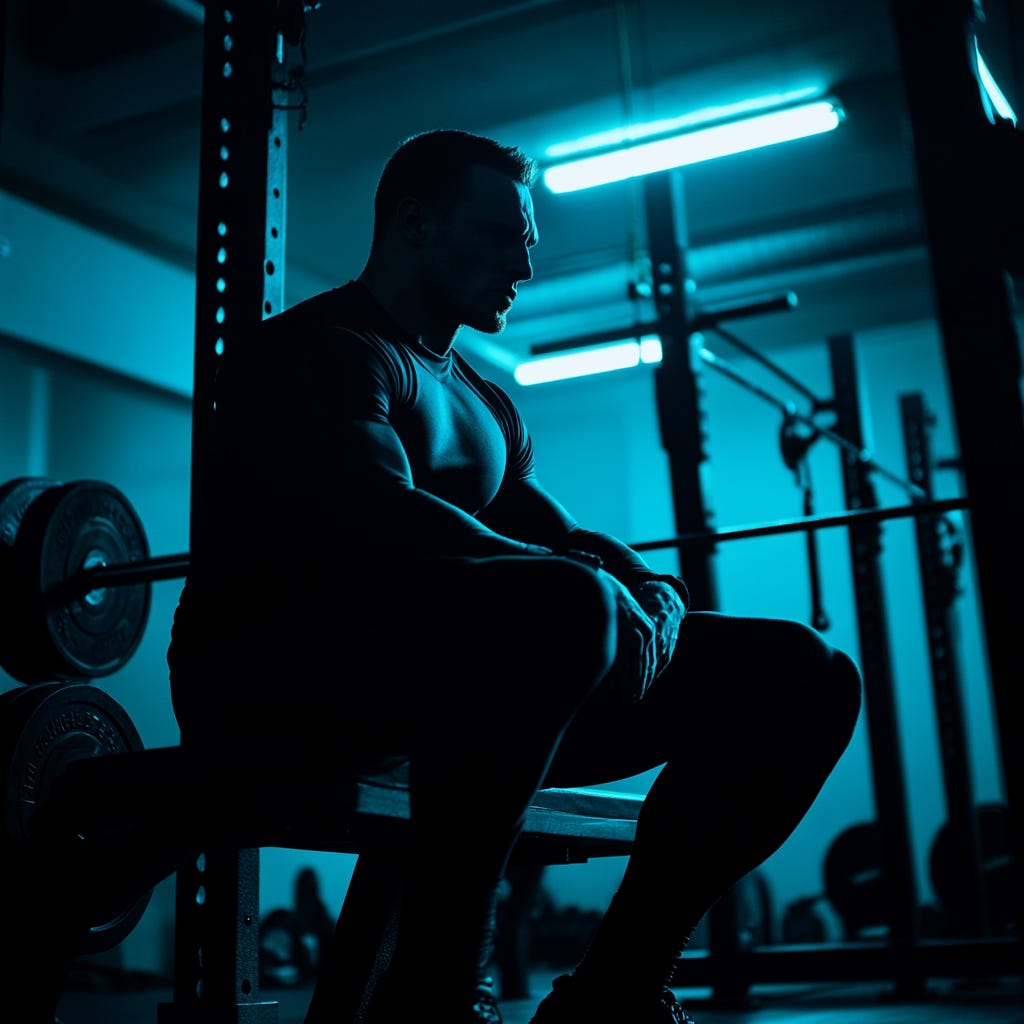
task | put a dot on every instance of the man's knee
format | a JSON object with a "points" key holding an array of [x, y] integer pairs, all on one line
{"points": [[846, 685], [578, 626], [543, 633], [575, 604], [826, 681], [809, 675]]}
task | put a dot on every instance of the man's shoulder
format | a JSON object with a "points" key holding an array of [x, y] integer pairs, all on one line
{"points": [[343, 306]]}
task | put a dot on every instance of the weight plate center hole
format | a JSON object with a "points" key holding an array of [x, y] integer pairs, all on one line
{"points": [[93, 559]]}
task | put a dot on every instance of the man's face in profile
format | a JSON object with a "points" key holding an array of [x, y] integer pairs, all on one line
{"points": [[480, 251]]}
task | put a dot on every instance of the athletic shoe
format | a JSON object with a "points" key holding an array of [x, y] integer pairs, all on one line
{"points": [[485, 1003], [390, 1005], [567, 1003]]}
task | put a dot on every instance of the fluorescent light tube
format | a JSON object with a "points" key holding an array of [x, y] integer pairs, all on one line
{"points": [[695, 146], [621, 355], [1000, 104]]}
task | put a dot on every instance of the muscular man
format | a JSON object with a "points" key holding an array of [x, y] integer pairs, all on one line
{"points": [[421, 595]]}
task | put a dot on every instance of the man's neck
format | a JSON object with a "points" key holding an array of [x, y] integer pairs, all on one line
{"points": [[403, 302]]}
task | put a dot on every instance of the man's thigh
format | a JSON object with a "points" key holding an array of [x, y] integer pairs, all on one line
{"points": [[365, 662], [729, 678]]}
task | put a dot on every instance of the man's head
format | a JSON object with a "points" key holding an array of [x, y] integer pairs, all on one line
{"points": [[453, 212], [432, 167]]}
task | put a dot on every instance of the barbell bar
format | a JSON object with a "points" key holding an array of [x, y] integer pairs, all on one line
{"points": [[175, 566], [149, 570], [75, 572], [709, 538]]}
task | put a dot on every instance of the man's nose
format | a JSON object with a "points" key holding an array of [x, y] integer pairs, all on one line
{"points": [[522, 267]]}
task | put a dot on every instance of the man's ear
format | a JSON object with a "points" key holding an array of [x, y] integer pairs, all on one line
{"points": [[414, 220]]}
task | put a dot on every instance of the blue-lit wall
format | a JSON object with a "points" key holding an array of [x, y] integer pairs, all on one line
{"points": [[70, 422], [94, 382]]}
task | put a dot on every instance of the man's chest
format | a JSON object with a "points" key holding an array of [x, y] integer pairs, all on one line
{"points": [[455, 446]]}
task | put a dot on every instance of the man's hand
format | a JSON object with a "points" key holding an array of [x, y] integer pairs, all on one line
{"points": [[664, 607], [636, 658]]}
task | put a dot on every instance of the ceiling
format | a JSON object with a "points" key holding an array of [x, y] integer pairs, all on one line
{"points": [[101, 115]]}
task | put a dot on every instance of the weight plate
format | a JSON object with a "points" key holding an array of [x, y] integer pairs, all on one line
{"points": [[855, 883], [69, 528], [44, 728], [950, 864], [15, 498]]}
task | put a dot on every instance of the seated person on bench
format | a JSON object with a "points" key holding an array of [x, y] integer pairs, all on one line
{"points": [[384, 575], [385, 569]]}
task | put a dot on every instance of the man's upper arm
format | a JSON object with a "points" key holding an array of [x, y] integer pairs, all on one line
{"points": [[347, 403], [375, 454]]}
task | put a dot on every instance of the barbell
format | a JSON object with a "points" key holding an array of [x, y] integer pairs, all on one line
{"points": [[76, 573], [75, 591]]}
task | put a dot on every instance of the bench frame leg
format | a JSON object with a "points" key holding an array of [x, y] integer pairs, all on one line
{"points": [[216, 942], [363, 939]]}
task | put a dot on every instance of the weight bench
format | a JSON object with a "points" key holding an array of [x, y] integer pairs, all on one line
{"points": [[231, 800]]}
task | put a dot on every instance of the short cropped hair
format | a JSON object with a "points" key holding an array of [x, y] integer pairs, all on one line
{"points": [[432, 166]]}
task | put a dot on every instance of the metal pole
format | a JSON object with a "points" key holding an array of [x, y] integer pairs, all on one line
{"points": [[888, 780], [239, 280], [938, 590], [969, 173], [681, 418], [678, 388]]}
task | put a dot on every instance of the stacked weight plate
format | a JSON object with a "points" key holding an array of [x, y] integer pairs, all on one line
{"points": [[55, 638]]}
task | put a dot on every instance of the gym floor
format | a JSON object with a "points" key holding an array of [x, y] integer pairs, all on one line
{"points": [[998, 1002]]}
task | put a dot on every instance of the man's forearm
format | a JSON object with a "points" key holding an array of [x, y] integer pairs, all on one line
{"points": [[419, 524], [624, 563]]}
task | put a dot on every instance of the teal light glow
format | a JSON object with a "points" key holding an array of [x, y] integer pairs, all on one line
{"points": [[1000, 104], [617, 355], [707, 143], [665, 125], [650, 349]]}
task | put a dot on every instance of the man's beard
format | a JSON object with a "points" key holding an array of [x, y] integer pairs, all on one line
{"points": [[486, 323], [448, 304], [497, 324]]}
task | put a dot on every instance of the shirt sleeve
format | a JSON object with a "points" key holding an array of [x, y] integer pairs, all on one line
{"points": [[385, 507]]}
